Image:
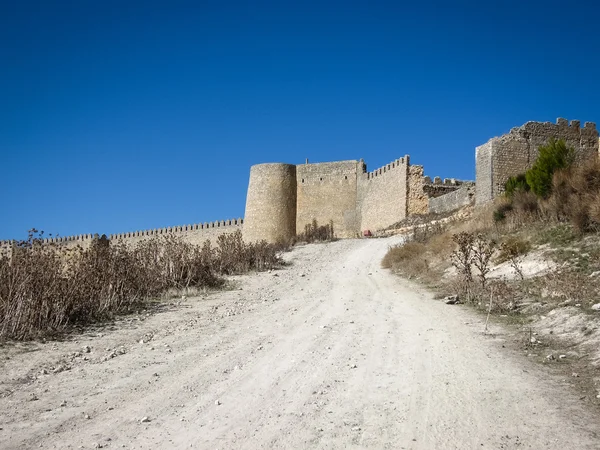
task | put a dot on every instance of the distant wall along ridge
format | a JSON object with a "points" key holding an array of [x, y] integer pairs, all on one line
{"points": [[283, 198]]}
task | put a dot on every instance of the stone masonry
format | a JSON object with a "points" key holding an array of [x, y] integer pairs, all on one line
{"points": [[283, 198], [515, 152], [341, 192]]}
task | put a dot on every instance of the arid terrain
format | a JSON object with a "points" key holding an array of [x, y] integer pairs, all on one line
{"points": [[330, 352]]}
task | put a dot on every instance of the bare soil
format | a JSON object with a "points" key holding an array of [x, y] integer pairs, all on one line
{"points": [[331, 352]]}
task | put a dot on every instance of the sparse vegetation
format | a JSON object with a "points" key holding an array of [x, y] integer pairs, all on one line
{"points": [[45, 288], [313, 232], [535, 253]]}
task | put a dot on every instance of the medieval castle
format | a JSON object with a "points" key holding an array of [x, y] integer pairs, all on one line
{"points": [[283, 198]]}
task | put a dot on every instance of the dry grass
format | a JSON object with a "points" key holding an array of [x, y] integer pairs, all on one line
{"points": [[45, 288]]}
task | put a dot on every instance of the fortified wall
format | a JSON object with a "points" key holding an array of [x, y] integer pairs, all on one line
{"points": [[515, 152], [282, 198], [194, 234]]}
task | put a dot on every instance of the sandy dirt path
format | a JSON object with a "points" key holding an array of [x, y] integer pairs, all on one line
{"points": [[331, 352]]}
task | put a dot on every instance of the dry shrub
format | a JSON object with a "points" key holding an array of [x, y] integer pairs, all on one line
{"points": [[44, 287], [441, 245], [576, 195], [525, 202], [408, 258], [512, 247], [424, 233], [313, 232]]}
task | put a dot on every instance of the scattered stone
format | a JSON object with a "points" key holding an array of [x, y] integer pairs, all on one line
{"points": [[451, 299], [60, 368], [355, 428], [575, 375], [43, 372], [218, 402], [302, 275], [87, 349], [145, 420], [353, 366], [260, 347], [63, 403], [596, 307], [550, 357], [595, 274], [562, 356], [86, 416], [183, 297]]}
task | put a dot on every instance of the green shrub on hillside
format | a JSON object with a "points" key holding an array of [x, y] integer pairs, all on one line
{"points": [[553, 156], [518, 183]]}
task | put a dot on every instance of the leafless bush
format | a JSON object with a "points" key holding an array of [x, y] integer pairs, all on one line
{"points": [[483, 250], [462, 257], [45, 287], [313, 232]]}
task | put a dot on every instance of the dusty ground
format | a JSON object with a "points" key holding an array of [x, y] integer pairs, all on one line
{"points": [[331, 352]]}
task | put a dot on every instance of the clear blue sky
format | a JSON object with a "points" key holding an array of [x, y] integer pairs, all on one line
{"points": [[122, 116]]}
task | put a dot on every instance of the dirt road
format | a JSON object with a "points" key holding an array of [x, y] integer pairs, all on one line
{"points": [[331, 352]]}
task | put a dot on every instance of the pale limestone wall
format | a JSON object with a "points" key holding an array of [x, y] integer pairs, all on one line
{"points": [[463, 196], [515, 152], [418, 200], [327, 192], [195, 234], [382, 195], [271, 203]]}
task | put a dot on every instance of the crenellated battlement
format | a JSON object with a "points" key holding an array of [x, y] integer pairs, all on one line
{"points": [[515, 152], [180, 229], [400, 162]]}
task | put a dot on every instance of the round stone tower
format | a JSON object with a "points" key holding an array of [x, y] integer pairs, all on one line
{"points": [[271, 203]]}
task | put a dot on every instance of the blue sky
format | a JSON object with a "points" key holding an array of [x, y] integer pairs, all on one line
{"points": [[123, 116]]}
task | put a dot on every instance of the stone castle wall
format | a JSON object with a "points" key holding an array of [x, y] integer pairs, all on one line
{"points": [[340, 192], [450, 201], [194, 234], [418, 199], [283, 198], [382, 195], [515, 152], [328, 192]]}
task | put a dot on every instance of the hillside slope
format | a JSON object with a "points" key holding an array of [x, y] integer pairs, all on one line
{"points": [[332, 352]]}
